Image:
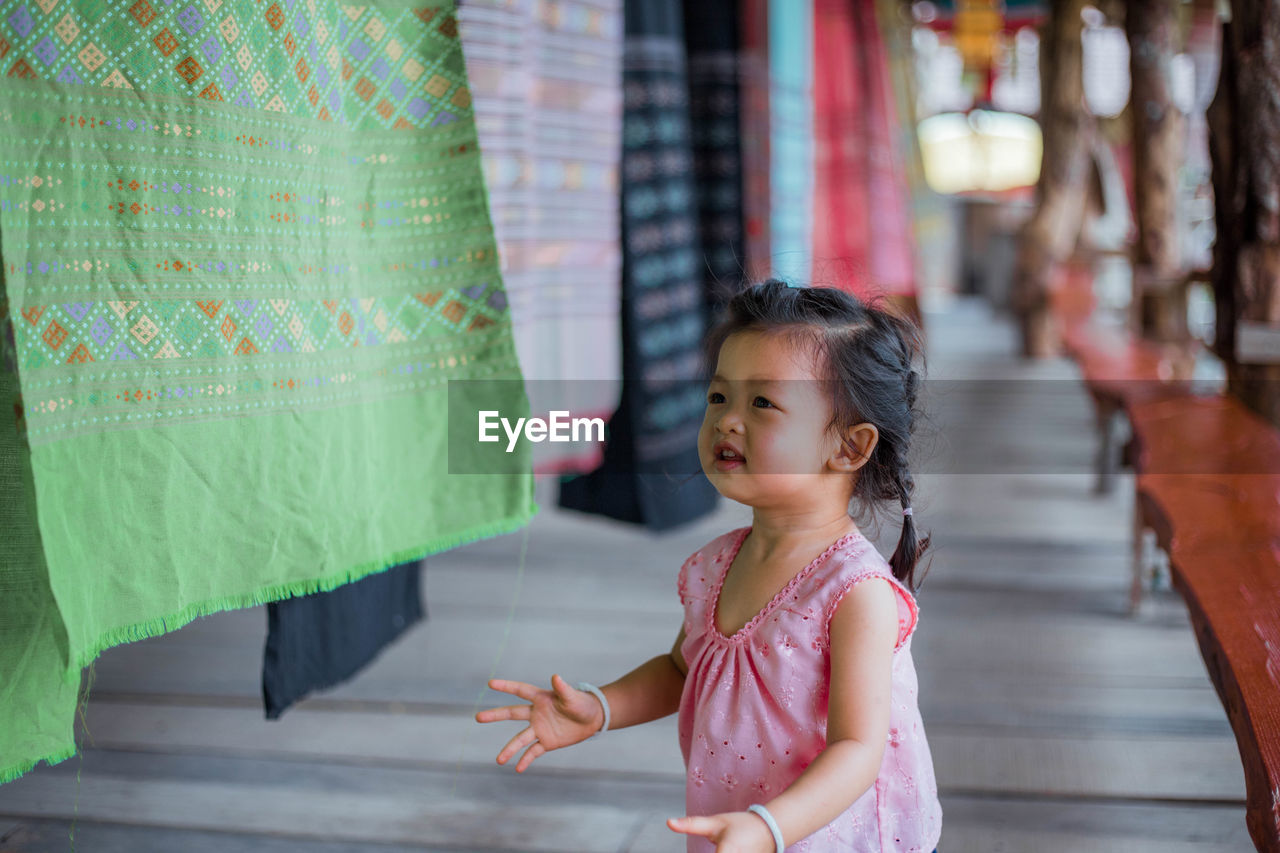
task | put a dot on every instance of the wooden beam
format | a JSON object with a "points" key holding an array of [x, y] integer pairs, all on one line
{"points": [[1158, 134], [1067, 129], [1244, 140]]}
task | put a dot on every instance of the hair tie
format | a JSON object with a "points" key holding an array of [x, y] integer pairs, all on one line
{"points": [[907, 511]]}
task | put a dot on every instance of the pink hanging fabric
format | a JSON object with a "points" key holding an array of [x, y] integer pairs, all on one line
{"points": [[862, 239], [753, 85]]}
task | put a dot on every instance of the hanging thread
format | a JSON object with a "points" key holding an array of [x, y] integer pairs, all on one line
{"points": [[506, 632]]}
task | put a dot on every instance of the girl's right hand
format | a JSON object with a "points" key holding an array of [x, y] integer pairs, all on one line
{"points": [[557, 718]]}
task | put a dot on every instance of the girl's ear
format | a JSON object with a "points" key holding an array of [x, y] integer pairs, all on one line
{"points": [[855, 450]]}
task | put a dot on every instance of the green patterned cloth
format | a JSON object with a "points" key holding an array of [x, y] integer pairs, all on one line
{"points": [[244, 246]]}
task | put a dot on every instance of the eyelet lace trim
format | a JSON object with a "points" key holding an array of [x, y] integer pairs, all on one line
{"points": [[746, 629], [906, 627]]}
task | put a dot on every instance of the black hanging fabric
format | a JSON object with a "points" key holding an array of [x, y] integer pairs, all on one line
{"points": [[713, 53], [318, 641], [650, 473]]}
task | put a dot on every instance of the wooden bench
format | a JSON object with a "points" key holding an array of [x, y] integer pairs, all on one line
{"points": [[1209, 486], [1119, 370], [1119, 373]]}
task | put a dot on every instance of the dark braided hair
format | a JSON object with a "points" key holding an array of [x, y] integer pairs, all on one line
{"points": [[867, 353]]}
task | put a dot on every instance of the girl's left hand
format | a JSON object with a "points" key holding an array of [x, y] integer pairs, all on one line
{"points": [[732, 832]]}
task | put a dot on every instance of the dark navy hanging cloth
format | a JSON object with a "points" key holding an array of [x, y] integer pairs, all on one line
{"points": [[713, 55], [318, 641], [650, 474]]}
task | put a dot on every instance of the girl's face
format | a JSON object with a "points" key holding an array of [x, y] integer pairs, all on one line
{"points": [[767, 415]]}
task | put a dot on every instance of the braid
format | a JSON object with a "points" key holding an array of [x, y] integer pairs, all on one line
{"points": [[894, 478], [910, 546]]}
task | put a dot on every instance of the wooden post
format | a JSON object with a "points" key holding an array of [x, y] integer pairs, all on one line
{"points": [[1158, 143], [1067, 128], [1244, 141]]}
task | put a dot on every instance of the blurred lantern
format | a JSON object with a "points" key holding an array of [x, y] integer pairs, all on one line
{"points": [[980, 151], [1106, 66]]}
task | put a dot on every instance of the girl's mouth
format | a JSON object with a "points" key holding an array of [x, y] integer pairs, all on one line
{"points": [[726, 458]]}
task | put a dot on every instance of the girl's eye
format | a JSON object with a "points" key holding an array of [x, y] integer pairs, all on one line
{"points": [[761, 403], [715, 397]]}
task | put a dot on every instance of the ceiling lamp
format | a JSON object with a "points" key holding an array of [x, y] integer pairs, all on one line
{"points": [[979, 151]]}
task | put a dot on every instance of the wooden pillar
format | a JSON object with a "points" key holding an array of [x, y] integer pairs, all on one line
{"points": [[1158, 143], [1067, 128], [1244, 140]]}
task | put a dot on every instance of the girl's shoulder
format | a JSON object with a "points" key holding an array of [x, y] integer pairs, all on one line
{"points": [[857, 562], [703, 567]]}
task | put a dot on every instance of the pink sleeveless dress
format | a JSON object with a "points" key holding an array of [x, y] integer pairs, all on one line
{"points": [[753, 714]]}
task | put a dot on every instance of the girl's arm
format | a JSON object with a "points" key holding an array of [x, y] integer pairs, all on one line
{"points": [[649, 692], [864, 631], [563, 716]]}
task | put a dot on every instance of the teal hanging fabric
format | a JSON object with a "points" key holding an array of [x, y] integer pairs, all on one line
{"points": [[791, 141]]}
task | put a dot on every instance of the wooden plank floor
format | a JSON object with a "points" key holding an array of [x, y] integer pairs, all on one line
{"points": [[1057, 722]]}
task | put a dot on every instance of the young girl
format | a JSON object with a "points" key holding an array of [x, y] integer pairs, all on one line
{"points": [[793, 678]]}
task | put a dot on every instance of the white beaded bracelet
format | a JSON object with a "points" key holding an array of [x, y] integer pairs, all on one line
{"points": [[604, 703], [773, 825]]}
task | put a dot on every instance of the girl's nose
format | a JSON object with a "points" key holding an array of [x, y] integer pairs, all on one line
{"points": [[728, 422]]}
